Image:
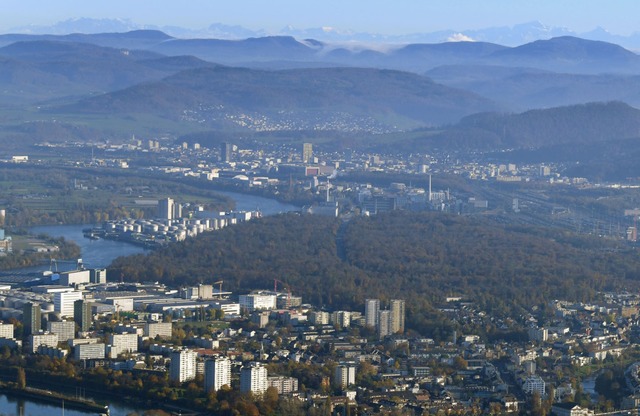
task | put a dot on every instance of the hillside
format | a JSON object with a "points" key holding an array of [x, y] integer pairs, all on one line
{"points": [[420, 256], [331, 98], [33, 71], [521, 89], [570, 54], [582, 125]]}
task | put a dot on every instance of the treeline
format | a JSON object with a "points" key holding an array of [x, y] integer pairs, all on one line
{"points": [[421, 257]]}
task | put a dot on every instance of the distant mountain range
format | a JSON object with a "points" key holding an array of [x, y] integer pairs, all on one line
{"points": [[539, 99], [504, 35], [561, 54]]}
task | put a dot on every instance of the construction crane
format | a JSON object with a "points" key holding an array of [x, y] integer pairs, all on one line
{"points": [[219, 282], [54, 264]]}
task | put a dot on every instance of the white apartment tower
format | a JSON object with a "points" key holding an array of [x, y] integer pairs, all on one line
{"points": [[183, 365], [396, 324], [253, 378], [371, 308], [384, 323], [217, 373]]}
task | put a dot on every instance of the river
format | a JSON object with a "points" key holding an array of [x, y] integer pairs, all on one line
{"points": [[17, 406], [98, 254]]}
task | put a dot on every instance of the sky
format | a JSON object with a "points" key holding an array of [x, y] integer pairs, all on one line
{"points": [[393, 17]]}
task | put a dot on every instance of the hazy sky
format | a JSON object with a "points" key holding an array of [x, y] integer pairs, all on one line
{"points": [[380, 16]]}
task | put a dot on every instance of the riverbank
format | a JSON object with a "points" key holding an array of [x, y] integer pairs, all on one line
{"points": [[58, 399]]}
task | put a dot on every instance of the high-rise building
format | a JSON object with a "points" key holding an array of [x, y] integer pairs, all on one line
{"points": [[345, 375], [166, 209], [396, 324], [226, 152], [31, 318], [122, 343], [371, 308], [183, 365], [217, 373], [65, 330], [253, 378], [82, 314], [307, 152], [63, 302], [384, 323]]}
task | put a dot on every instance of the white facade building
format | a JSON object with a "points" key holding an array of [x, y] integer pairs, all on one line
{"points": [[89, 351], [534, 384], [371, 308], [6, 330], [63, 302], [74, 277], [183, 365], [253, 378], [122, 343], [36, 340], [255, 301], [161, 329], [284, 385], [217, 373]]}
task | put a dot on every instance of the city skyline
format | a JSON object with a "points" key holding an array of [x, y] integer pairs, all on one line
{"points": [[375, 16]]}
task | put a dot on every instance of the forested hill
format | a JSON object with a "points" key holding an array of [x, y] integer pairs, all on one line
{"points": [[422, 257], [577, 124]]}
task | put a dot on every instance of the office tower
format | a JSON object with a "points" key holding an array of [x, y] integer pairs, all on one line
{"points": [[307, 152], [183, 365], [396, 324], [345, 375], [31, 318], [226, 152], [82, 314], [371, 308], [384, 323], [253, 378], [217, 373], [165, 209], [63, 302]]}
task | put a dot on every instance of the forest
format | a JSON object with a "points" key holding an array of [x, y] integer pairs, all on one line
{"points": [[421, 257]]}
